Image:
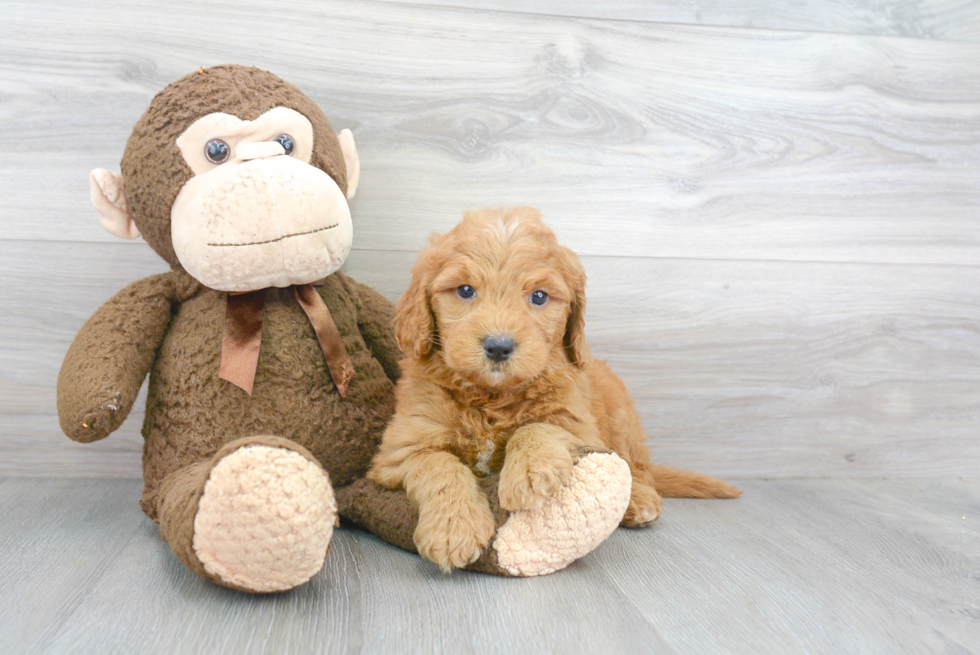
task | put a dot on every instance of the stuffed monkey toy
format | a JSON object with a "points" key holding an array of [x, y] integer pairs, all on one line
{"points": [[271, 372]]}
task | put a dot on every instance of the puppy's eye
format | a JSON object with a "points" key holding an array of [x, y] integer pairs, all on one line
{"points": [[465, 292], [539, 298], [217, 151], [286, 142]]}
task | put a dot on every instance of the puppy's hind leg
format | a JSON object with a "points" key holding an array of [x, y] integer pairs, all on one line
{"points": [[645, 503], [629, 440]]}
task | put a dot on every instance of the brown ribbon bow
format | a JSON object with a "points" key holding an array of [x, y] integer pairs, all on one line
{"points": [[243, 337]]}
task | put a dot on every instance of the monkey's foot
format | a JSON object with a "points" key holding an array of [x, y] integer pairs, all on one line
{"points": [[571, 524], [265, 519]]}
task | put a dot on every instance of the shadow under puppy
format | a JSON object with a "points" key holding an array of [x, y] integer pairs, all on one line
{"points": [[498, 378]]}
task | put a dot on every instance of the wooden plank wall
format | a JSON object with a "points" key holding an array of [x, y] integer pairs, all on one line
{"points": [[780, 227], [951, 20]]}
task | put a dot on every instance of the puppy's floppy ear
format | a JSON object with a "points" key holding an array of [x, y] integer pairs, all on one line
{"points": [[414, 323], [574, 340]]}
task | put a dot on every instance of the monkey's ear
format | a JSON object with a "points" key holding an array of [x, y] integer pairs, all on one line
{"points": [[351, 160], [109, 200]]}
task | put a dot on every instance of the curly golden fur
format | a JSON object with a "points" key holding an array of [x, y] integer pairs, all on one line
{"points": [[464, 410]]}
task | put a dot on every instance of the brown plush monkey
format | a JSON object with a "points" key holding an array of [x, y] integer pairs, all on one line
{"points": [[271, 372]]}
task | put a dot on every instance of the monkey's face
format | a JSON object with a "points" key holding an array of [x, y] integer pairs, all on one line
{"points": [[256, 213], [236, 177]]}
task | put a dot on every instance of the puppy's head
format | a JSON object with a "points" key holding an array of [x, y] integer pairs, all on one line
{"points": [[496, 299]]}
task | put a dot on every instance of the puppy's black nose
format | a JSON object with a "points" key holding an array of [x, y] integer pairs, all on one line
{"points": [[498, 348]]}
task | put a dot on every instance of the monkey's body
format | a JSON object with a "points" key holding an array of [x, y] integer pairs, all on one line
{"points": [[256, 439], [191, 413], [173, 325]]}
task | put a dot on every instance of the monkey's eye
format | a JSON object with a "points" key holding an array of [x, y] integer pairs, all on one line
{"points": [[286, 142], [217, 151], [539, 298], [465, 292]]}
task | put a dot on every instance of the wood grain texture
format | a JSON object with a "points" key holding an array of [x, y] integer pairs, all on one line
{"points": [[956, 20], [794, 566], [815, 566], [679, 141], [757, 369], [58, 538], [780, 227]]}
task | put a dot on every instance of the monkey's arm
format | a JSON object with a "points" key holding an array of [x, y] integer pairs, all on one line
{"points": [[111, 355], [376, 321]]}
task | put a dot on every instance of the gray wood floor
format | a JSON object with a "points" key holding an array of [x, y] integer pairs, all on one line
{"points": [[819, 566]]}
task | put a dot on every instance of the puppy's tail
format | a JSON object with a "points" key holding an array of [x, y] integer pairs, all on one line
{"points": [[678, 483]]}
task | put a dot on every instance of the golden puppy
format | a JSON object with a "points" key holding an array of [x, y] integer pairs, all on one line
{"points": [[498, 378]]}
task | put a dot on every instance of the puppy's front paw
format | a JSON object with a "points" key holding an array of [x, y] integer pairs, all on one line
{"points": [[455, 537], [531, 477]]}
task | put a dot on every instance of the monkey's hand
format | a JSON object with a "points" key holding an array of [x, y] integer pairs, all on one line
{"points": [[112, 354]]}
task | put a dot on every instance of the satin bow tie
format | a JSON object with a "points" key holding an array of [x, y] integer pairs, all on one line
{"points": [[243, 337]]}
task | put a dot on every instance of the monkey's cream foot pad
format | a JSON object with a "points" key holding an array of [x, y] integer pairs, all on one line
{"points": [[265, 519], [572, 523]]}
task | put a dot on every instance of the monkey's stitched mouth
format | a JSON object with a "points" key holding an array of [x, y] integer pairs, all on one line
{"points": [[277, 239]]}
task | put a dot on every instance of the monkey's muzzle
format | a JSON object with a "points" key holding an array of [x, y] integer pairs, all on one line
{"points": [[268, 221]]}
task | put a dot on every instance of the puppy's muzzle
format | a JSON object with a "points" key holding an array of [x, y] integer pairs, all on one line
{"points": [[498, 348]]}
